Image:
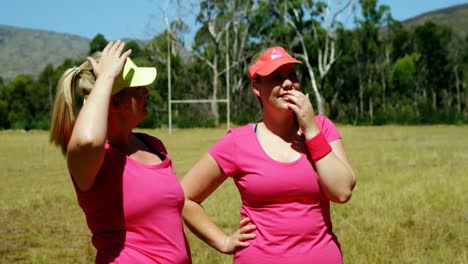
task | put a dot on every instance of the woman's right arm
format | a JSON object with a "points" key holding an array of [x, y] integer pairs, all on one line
{"points": [[204, 178], [85, 150]]}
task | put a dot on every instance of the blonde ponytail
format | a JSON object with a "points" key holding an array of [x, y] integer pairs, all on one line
{"points": [[76, 81]]}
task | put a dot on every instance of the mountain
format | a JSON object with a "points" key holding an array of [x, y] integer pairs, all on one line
{"points": [[29, 51], [455, 17]]}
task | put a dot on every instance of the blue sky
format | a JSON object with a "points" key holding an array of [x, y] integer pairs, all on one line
{"points": [[139, 19]]}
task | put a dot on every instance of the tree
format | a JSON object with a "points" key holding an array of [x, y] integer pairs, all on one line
{"points": [[235, 43], [165, 47], [464, 96], [3, 106], [304, 18], [208, 41], [457, 68], [133, 45], [432, 43], [22, 95], [403, 76], [400, 41], [98, 43], [172, 39], [368, 48], [343, 81]]}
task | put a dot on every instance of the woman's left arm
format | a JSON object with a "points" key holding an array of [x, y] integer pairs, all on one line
{"points": [[335, 174], [334, 170]]}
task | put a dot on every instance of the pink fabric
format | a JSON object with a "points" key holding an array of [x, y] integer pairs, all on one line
{"points": [[318, 147], [283, 200], [134, 210]]}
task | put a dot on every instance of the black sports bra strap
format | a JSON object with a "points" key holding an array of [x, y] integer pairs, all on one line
{"points": [[150, 146]]}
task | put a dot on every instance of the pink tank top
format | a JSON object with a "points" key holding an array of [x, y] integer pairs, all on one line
{"points": [[134, 210]]}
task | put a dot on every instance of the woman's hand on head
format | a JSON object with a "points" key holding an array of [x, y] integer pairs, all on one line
{"points": [[112, 60], [239, 239], [300, 104]]}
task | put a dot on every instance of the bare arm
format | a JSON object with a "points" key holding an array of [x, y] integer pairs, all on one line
{"points": [[335, 173], [85, 151], [202, 180]]}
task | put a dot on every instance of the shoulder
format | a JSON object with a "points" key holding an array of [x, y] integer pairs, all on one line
{"points": [[233, 137], [323, 121], [238, 133], [243, 130], [327, 127], [231, 148]]}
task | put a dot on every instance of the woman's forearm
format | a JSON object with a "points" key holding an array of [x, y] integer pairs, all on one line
{"points": [[201, 225], [335, 177]]}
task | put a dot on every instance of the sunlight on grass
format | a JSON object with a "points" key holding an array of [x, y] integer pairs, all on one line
{"points": [[409, 205]]}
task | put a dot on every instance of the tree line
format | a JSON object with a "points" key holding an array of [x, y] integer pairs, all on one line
{"points": [[373, 73]]}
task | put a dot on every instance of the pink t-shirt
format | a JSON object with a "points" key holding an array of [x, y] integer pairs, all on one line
{"points": [[284, 201], [134, 210]]}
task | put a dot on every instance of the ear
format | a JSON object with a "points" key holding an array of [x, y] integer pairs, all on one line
{"points": [[255, 89]]}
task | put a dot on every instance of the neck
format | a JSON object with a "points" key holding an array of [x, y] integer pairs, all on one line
{"points": [[282, 125], [118, 134]]}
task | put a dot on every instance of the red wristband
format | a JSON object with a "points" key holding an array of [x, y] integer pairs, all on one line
{"points": [[318, 147]]}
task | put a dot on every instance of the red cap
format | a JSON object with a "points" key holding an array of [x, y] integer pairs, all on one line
{"points": [[271, 60]]}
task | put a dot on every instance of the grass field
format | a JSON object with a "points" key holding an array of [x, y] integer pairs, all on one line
{"points": [[409, 205]]}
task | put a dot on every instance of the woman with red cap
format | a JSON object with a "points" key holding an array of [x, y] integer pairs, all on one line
{"points": [[287, 168], [124, 181]]}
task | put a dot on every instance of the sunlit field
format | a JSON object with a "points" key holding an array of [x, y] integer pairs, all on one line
{"points": [[409, 205]]}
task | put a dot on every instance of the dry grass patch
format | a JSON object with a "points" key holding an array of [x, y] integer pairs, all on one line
{"points": [[409, 205]]}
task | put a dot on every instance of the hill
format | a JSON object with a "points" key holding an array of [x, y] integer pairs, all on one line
{"points": [[29, 51], [455, 17]]}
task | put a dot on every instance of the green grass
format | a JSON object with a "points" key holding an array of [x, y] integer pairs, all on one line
{"points": [[409, 205]]}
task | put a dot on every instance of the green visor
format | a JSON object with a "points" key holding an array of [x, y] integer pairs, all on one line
{"points": [[134, 76]]}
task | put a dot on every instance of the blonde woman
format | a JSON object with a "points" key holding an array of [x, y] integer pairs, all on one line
{"points": [[124, 181]]}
